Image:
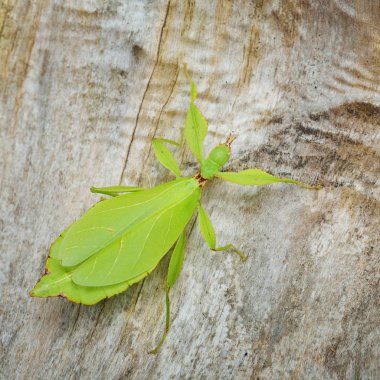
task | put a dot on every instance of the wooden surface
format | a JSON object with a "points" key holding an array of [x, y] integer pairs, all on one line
{"points": [[85, 85]]}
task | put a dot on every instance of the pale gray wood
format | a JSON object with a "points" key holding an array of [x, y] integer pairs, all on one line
{"points": [[84, 88]]}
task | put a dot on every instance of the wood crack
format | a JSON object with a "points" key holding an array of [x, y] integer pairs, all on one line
{"points": [[144, 95], [4, 21], [138, 294], [158, 121], [76, 320]]}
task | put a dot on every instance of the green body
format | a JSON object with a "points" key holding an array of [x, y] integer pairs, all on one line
{"points": [[216, 159], [121, 240]]}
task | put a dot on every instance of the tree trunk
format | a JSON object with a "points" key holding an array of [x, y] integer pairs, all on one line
{"points": [[86, 85]]}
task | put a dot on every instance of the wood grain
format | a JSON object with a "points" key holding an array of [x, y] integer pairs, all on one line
{"points": [[85, 86]]}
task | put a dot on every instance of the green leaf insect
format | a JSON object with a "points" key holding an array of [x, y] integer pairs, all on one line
{"points": [[121, 240]]}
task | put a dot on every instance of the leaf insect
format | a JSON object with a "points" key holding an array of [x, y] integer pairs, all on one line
{"points": [[121, 240]]}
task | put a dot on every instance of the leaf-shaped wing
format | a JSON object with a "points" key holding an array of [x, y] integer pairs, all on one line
{"points": [[109, 220], [164, 155], [257, 177], [131, 256], [140, 247]]}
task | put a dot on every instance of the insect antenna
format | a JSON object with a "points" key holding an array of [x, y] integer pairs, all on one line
{"points": [[230, 139]]}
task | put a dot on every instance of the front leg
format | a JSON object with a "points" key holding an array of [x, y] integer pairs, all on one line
{"points": [[114, 191]]}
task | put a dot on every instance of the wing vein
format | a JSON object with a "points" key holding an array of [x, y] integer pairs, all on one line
{"points": [[146, 239], [109, 229], [117, 257]]}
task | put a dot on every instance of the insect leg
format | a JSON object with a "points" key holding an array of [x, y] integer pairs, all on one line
{"points": [[168, 141], [165, 157], [114, 191], [242, 255], [175, 267], [208, 233], [167, 325]]}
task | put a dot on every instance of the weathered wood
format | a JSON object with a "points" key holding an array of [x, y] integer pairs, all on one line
{"points": [[86, 85]]}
